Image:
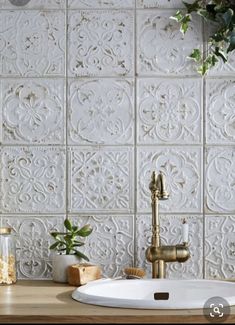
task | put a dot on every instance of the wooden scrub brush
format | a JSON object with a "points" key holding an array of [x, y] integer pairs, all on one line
{"points": [[134, 273]]}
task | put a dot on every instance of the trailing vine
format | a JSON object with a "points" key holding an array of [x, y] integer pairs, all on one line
{"points": [[221, 14]]}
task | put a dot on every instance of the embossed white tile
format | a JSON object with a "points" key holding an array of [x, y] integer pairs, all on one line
{"points": [[33, 4], [100, 4], [111, 243], [101, 111], [220, 179], [224, 69], [182, 169], [220, 108], [33, 239], [161, 3], [161, 47], [100, 43], [33, 179], [171, 234], [169, 111], [101, 179], [32, 43], [33, 111], [220, 247]]}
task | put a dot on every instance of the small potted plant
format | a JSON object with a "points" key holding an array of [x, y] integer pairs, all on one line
{"points": [[66, 246]]}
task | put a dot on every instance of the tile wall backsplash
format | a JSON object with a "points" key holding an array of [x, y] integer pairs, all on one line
{"points": [[94, 95]]}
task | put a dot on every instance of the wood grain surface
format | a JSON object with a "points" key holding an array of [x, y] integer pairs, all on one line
{"points": [[41, 302]]}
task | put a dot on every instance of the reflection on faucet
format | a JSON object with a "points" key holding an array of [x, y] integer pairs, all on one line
{"points": [[157, 254]]}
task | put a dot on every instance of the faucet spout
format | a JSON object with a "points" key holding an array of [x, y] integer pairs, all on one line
{"points": [[157, 254], [161, 183]]}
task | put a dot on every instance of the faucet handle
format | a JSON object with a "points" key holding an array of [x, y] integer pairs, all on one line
{"points": [[185, 229]]}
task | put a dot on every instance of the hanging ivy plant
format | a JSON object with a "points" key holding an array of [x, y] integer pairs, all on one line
{"points": [[219, 13]]}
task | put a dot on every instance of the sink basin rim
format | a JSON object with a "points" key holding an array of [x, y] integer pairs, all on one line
{"points": [[81, 295]]}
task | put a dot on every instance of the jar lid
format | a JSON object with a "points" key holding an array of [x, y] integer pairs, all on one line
{"points": [[5, 230]]}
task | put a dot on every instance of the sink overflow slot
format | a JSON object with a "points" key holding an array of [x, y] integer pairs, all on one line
{"points": [[161, 295]]}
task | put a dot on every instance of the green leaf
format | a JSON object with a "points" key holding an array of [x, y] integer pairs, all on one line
{"points": [[202, 69], [68, 238], [227, 16], [214, 60], [53, 246], [178, 16], [185, 23], [84, 231], [78, 245], [192, 6], [217, 37], [218, 52], [81, 255], [211, 8], [209, 62], [68, 224], [54, 234], [75, 228], [196, 55], [232, 42], [203, 13], [78, 242]]}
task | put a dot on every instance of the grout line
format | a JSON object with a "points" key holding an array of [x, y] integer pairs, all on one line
{"points": [[130, 76], [94, 9], [98, 146], [17, 8], [135, 139], [203, 107], [66, 111], [117, 213], [21, 9]]}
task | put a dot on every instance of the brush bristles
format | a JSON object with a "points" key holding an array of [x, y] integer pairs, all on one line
{"points": [[135, 271]]}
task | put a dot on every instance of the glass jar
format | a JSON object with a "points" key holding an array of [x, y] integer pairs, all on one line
{"points": [[7, 256]]}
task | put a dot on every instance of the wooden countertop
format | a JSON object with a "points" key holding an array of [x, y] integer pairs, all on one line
{"points": [[49, 302]]}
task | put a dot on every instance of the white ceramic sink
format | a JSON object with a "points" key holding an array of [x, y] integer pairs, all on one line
{"points": [[183, 294]]}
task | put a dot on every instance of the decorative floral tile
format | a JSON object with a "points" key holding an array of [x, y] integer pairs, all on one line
{"points": [[161, 47], [220, 247], [101, 179], [33, 4], [220, 176], [33, 111], [32, 179], [169, 111], [220, 104], [171, 234], [101, 111], [32, 43], [161, 3], [33, 239], [222, 69], [100, 43], [111, 243], [182, 169], [88, 4]]}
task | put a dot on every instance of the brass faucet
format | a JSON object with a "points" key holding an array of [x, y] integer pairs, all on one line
{"points": [[157, 254]]}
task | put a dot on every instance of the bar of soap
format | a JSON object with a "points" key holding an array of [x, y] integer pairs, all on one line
{"points": [[79, 274]]}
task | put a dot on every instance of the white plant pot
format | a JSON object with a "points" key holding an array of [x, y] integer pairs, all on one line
{"points": [[60, 264]]}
